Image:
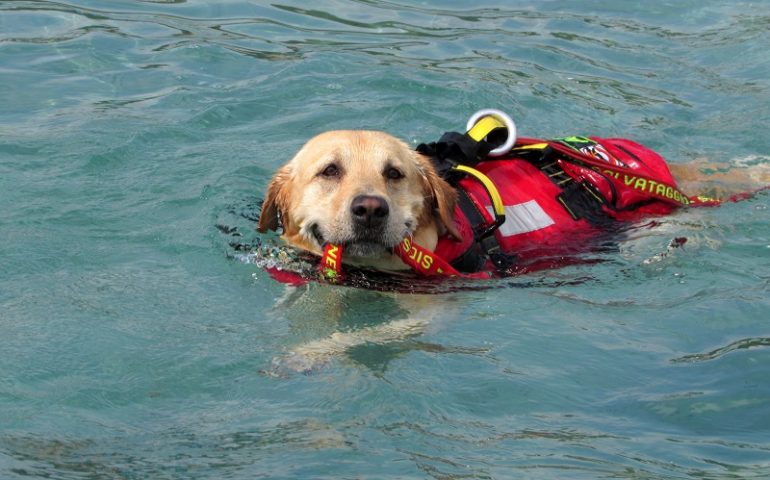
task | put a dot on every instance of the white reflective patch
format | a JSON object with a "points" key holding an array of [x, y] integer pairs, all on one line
{"points": [[522, 218]]}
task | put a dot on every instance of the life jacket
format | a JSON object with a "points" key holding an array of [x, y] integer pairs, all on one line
{"points": [[557, 196]]}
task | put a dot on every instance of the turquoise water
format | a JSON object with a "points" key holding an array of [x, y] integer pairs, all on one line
{"points": [[135, 343]]}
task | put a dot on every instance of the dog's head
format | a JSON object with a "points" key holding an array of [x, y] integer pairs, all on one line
{"points": [[363, 190]]}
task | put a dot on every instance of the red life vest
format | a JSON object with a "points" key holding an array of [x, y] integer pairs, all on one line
{"points": [[622, 180]]}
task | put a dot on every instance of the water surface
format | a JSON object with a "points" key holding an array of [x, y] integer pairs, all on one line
{"points": [[136, 345]]}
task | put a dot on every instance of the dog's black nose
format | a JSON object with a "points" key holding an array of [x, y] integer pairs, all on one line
{"points": [[369, 210]]}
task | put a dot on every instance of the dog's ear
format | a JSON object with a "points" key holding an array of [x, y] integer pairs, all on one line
{"points": [[441, 196], [275, 200]]}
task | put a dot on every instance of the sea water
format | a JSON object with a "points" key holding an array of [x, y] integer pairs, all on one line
{"points": [[137, 139]]}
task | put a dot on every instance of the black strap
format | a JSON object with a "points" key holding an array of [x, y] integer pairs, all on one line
{"points": [[473, 259], [581, 200], [455, 148], [483, 246]]}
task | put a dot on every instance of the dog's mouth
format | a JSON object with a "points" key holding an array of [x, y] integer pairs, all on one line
{"points": [[316, 232], [364, 243]]}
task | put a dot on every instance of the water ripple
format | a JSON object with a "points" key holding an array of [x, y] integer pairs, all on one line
{"points": [[743, 344], [509, 46]]}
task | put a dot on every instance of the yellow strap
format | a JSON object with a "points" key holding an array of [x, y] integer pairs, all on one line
{"points": [[484, 127], [494, 195], [478, 132], [533, 146]]}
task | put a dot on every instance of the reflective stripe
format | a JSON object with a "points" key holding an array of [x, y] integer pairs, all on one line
{"points": [[523, 218]]}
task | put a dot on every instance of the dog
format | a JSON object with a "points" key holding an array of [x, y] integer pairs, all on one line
{"points": [[383, 206]]}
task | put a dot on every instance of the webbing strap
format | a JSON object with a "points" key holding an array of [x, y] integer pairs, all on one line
{"points": [[422, 260], [621, 176], [417, 257], [331, 262], [489, 186], [427, 263], [484, 127]]}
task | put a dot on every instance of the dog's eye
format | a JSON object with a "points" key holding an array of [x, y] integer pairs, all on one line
{"points": [[392, 173], [331, 170]]}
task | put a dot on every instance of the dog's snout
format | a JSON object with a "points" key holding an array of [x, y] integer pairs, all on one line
{"points": [[369, 209]]}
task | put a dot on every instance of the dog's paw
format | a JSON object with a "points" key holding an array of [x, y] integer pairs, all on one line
{"points": [[295, 362], [675, 243]]}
